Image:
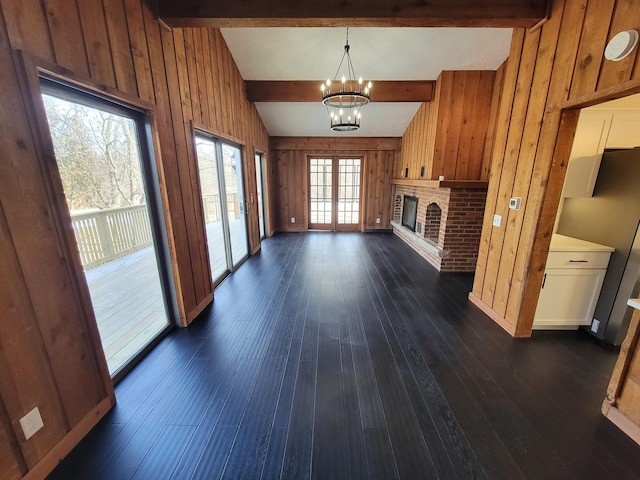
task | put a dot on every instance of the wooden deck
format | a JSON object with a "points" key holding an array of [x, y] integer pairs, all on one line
{"points": [[217, 258], [127, 301], [127, 297]]}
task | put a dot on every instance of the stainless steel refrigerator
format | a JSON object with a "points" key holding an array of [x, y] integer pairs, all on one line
{"points": [[612, 217]]}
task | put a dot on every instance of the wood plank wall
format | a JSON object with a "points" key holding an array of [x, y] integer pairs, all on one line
{"points": [[447, 135], [49, 352], [550, 70], [288, 170]]}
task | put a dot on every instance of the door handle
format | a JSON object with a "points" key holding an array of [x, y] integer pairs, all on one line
{"points": [[578, 261], [544, 280]]}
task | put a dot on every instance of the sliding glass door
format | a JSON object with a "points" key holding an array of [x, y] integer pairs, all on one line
{"points": [[232, 166], [220, 170], [261, 190], [111, 192], [334, 193], [212, 204]]}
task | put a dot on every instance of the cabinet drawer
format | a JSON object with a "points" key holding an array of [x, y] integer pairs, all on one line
{"points": [[578, 259]]}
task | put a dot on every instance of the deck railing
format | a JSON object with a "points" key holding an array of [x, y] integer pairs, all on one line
{"points": [[212, 207], [104, 235]]}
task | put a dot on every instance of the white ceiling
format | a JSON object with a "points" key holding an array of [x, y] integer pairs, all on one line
{"points": [[377, 53]]}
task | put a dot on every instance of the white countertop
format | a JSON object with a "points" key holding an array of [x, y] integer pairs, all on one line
{"points": [[561, 243], [634, 302]]}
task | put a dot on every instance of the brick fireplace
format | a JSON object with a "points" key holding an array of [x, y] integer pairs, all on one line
{"points": [[448, 226]]}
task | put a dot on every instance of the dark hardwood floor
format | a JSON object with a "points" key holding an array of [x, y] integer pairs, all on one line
{"points": [[348, 356]]}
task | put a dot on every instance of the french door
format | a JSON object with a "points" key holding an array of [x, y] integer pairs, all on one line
{"points": [[220, 170], [334, 193]]}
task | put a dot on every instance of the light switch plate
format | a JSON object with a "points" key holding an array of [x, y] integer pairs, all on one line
{"points": [[497, 220], [293, 220]]}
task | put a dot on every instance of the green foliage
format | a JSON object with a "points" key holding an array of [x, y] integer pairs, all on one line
{"points": [[97, 155]]}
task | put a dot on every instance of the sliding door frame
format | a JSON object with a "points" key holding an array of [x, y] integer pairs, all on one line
{"points": [[153, 196], [32, 72], [218, 141]]}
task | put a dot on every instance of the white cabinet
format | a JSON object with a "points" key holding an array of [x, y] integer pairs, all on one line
{"points": [[596, 130], [588, 145], [572, 281]]}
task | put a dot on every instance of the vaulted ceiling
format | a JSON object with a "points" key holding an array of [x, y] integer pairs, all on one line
{"points": [[282, 41]]}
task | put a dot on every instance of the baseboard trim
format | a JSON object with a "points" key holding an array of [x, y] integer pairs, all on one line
{"points": [[624, 423], [489, 312], [193, 314], [51, 460], [378, 230]]}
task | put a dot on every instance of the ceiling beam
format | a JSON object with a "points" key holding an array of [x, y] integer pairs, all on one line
{"points": [[309, 91], [352, 13]]}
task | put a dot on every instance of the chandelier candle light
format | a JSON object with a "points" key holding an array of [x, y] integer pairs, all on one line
{"points": [[344, 105]]}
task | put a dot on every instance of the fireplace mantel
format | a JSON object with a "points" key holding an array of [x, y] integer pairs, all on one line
{"points": [[441, 183]]}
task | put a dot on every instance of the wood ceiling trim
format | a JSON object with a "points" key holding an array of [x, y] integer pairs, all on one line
{"points": [[309, 91], [333, 144], [379, 13]]}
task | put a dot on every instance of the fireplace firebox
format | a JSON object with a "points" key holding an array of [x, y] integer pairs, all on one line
{"points": [[410, 212]]}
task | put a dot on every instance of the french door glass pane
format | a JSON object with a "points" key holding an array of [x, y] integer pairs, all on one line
{"points": [[98, 157], [232, 164], [321, 181], [210, 186], [348, 190]]}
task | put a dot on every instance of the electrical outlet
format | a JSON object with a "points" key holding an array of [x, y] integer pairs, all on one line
{"points": [[293, 219], [378, 220], [31, 423], [497, 220], [595, 325]]}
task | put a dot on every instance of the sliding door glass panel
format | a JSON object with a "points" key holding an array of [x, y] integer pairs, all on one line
{"points": [[348, 191], [210, 187], [99, 160], [320, 192], [259, 180], [232, 166]]}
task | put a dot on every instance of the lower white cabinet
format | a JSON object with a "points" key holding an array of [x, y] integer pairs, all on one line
{"points": [[571, 286], [568, 298]]}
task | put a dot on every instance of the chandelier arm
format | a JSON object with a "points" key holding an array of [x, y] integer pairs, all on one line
{"points": [[352, 73]]}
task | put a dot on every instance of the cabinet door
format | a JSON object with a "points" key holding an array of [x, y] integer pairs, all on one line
{"points": [[584, 162], [568, 298]]}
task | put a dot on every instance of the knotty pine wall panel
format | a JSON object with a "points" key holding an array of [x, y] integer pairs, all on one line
{"points": [[377, 175], [418, 143], [447, 136], [551, 71], [289, 177], [49, 333]]}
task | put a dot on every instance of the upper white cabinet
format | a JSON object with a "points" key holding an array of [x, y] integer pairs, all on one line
{"points": [[597, 130]]}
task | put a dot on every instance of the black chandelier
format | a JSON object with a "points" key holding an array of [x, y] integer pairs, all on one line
{"points": [[344, 105]]}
